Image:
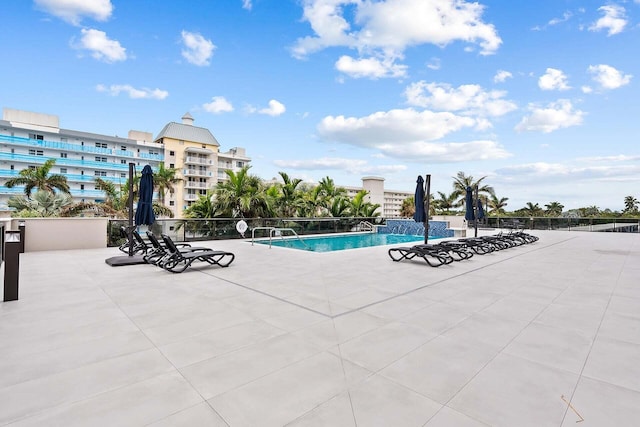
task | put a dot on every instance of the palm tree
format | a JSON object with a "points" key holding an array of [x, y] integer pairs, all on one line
{"points": [[289, 198], [327, 191], [361, 208], [42, 204], [462, 181], [41, 179], [554, 208], [445, 202], [242, 195], [164, 180], [630, 205], [408, 207], [497, 205], [531, 209]]}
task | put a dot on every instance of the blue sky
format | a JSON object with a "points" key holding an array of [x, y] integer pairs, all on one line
{"points": [[539, 96]]}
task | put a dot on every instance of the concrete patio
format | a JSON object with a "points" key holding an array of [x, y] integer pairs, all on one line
{"points": [[544, 334]]}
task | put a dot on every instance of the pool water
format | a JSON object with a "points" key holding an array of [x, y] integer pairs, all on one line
{"points": [[342, 242]]}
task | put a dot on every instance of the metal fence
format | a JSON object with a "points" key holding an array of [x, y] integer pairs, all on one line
{"points": [[225, 228]]}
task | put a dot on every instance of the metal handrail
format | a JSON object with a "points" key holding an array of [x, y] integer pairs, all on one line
{"points": [[366, 226], [274, 230]]}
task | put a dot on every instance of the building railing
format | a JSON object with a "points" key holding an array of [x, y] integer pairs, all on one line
{"points": [[623, 225]]}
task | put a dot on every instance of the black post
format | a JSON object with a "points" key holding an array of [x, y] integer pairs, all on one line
{"points": [[11, 265], [475, 213], [21, 229], [427, 200], [130, 206]]}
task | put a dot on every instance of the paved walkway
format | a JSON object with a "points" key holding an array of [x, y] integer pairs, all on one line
{"points": [[545, 334]]}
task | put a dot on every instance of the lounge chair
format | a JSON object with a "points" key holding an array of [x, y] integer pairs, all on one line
{"points": [[159, 250], [178, 261], [433, 256], [139, 245]]}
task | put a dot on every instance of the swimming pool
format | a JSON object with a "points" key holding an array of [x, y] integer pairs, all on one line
{"points": [[342, 241]]}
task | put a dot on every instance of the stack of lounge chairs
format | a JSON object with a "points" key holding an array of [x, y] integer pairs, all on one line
{"points": [[172, 256], [447, 252]]}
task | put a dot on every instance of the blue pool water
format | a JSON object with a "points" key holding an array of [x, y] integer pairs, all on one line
{"points": [[342, 242]]}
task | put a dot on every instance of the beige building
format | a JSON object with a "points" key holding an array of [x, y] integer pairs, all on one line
{"points": [[390, 201], [195, 153]]}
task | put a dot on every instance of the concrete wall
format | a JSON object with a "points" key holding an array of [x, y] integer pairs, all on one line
{"points": [[455, 221], [51, 234]]}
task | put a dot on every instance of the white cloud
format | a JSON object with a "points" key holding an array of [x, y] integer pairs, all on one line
{"points": [[557, 115], [351, 166], [468, 99], [387, 28], [72, 11], [614, 19], [409, 135], [502, 76], [565, 17], [198, 50], [434, 64], [553, 80], [144, 93], [275, 109], [586, 89], [101, 47], [246, 4], [392, 126], [370, 67], [608, 77], [218, 105]]}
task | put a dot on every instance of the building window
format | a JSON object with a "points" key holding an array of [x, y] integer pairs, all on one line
{"points": [[63, 155], [101, 144], [171, 165], [172, 153], [172, 203], [63, 139], [123, 175], [63, 170], [240, 164], [101, 159], [123, 148], [100, 173], [36, 136], [123, 161], [12, 167], [33, 152], [82, 186]]}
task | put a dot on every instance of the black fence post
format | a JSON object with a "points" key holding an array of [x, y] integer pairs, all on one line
{"points": [[11, 265], [21, 229]]}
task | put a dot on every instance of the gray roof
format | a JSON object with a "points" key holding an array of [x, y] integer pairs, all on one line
{"points": [[190, 133]]}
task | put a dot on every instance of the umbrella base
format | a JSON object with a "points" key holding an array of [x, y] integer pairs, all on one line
{"points": [[118, 261]]}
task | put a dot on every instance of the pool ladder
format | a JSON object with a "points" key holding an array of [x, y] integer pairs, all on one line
{"points": [[274, 231]]}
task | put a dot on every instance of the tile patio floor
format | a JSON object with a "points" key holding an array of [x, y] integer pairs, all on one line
{"points": [[291, 338]]}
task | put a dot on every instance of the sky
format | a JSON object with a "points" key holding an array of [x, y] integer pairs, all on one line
{"points": [[540, 97]]}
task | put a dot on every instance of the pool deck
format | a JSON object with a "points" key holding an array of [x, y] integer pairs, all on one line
{"points": [[544, 334]]}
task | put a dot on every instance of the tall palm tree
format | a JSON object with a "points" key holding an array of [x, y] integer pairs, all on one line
{"points": [[532, 209], [164, 180], [460, 183], [327, 191], [41, 179], [631, 204], [554, 208], [361, 208]]}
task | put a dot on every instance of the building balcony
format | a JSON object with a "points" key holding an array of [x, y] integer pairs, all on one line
{"points": [[191, 160], [191, 184], [196, 172], [191, 197]]}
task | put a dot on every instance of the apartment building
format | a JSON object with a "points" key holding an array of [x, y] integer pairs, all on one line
{"points": [[390, 201], [195, 153], [28, 139]]}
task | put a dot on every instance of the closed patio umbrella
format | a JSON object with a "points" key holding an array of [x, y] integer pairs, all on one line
{"points": [[468, 205], [144, 211], [419, 215]]}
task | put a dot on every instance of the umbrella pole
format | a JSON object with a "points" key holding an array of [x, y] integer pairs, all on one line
{"points": [[475, 213], [130, 206], [427, 199]]}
